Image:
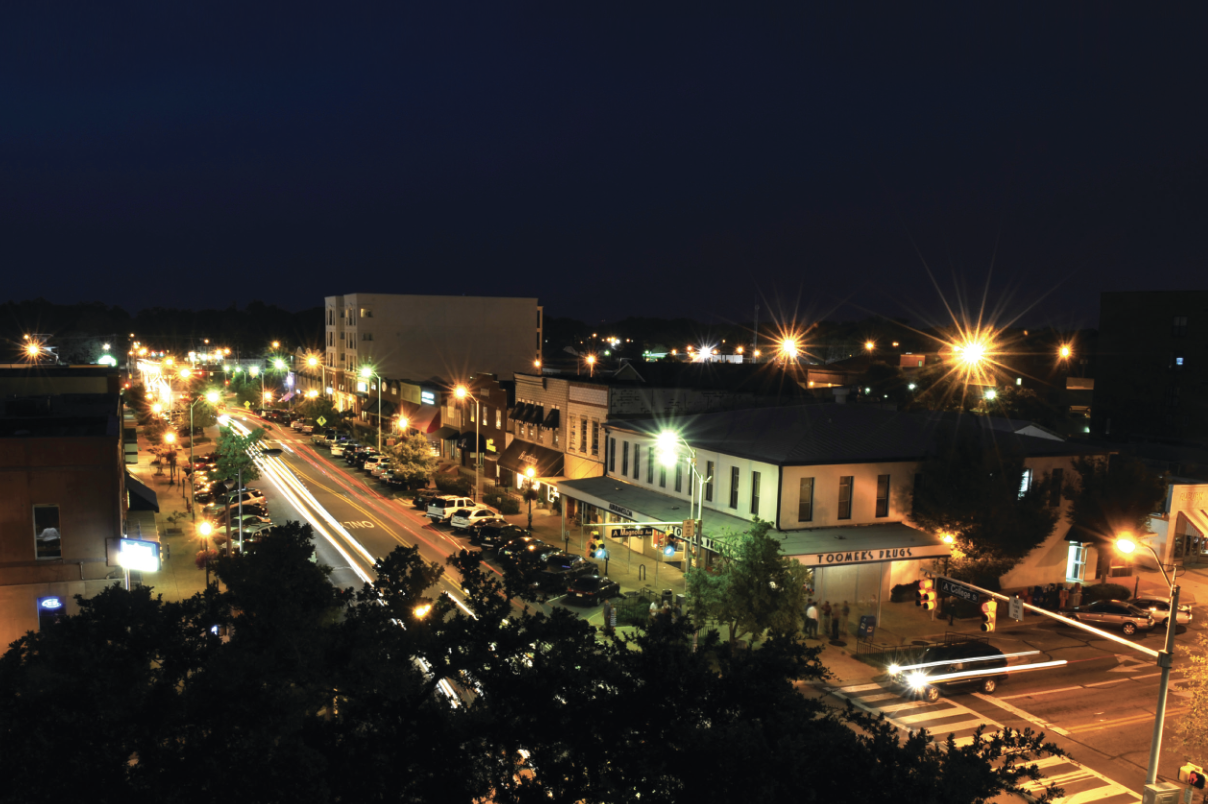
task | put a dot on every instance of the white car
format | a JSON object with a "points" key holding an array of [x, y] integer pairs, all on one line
{"points": [[465, 517], [442, 508], [297, 424], [382, 468], [337, 449], [371, 463], [1159, 609]]}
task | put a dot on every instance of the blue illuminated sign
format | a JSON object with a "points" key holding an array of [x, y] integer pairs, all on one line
{"points": [[50, 603]]}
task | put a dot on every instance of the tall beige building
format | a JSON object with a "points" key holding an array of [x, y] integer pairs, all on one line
{"points": [[421, 337]]}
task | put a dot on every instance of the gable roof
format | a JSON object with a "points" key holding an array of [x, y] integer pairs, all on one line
{"points": [[840, 433]]}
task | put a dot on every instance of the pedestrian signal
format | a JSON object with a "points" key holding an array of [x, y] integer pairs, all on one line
{"points": [[926, 597], [1192, 775], [989, 615]]}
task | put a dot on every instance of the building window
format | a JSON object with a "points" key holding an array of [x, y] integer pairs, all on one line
{"points": [[1075, 563], [1056, 481], [650, 466], [48, 542], [662, 477], [1025, 482], [555, 436], [709, 485], [499, 418], [366, 312], [624, 459], [679, 475], [612, 455], [595, 437], [637, 461], [1178, 327], [845, 492], [366, 336], [734, 487], [805, 500], [882, 495], [583, 434], [1176, 361], [755, 493]]}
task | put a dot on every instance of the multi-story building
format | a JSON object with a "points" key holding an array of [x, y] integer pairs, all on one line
{"points": [[63, 490], [1152, 374], [836, 480], [419, 338]]}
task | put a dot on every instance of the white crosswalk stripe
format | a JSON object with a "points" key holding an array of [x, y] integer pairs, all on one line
{"points": [[1082, 785]]}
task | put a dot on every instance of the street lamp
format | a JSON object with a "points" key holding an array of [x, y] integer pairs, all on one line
{"points": [[1126, 544], [461, 392], [313, 361], [530, 473], [869, 346], [667, 444], [591, 365], [212, 397], [366, 373], [1064, 352]]}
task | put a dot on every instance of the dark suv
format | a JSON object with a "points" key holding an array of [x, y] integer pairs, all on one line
{"points": [[491, 537], [947, 666]]}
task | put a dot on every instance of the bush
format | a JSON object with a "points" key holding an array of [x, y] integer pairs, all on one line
{"points": [[448, 484], [1105, 591], [503, 503], [903, 592]]}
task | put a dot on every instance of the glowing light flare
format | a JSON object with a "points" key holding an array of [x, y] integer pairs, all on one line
{"points": [[895, 669], [212, 397], [870, 345], [461, 392], [169, 438], [789, 348], [1064, 352], [403, 423], [1125, 543], [994, 671]]}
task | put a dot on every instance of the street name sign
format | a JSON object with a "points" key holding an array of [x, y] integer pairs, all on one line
{"points": [[958, 590]]}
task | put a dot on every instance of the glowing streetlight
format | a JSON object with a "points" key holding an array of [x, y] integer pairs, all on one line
{"points": [[267, 396], [276, 344], [185, 374], [212, 397], [402, 423], [254, 371], [169, 438], [789, 348], [591, 365], [1127, 543], [312, 394], [869, 346], [312, 361], [33, 350], [536, 364], [948, 538], [168, 361], [991, 394], [366, 372], [157, 408], [1064, 352], [462, 392], [279, 364], [422, 611]]}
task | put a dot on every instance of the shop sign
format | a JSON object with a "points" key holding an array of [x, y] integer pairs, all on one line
{"points": [[616, 509], [490, 445], [864, 556], [427, 397]]}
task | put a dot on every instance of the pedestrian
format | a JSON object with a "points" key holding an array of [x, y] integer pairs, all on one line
{"points": [[826, 617], [654, 609], [666, 609], [846, 614], [811, 620], [610, 618], [1063, 596]]}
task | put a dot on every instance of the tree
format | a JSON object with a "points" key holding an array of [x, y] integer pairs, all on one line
{"points": [[233, 458], [970, 487], [751, 587], [413, 459], [312, 696], [1109, 497], [204, 415]]}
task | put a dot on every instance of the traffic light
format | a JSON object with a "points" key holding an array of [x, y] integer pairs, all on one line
{"points": [[925, 596], [989, 614], [1192, 775]]}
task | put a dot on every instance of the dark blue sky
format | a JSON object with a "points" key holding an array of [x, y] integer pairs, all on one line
{"points": [[610, 161]]}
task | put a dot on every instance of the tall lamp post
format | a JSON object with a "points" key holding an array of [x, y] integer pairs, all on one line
{"points": [[1126, 544], [461, 392], [212, 398], [313, 361], [205, 529], [367, 372], [667, 443]]}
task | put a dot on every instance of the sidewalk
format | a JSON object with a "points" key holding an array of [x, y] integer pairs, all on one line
{"points": [[178, 578]]}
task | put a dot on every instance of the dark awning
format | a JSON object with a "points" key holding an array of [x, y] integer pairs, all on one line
{"points": [[447, 433], [552, 420], [536, 414], [521, 455], [139, 497], [467, 442], [518, 413]]}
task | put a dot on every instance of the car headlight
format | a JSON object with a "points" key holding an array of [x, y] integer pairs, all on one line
{"points": [[917, 680], [893, 669]]}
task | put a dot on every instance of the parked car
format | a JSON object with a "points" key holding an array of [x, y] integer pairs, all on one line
{"points": [[477, 525], [308, 429], [492, 537], [555, 571], [1120, 613], [318, 438], [465, 517], [247, 496], [383, 466], [442, 508], [250, 521], [424, 497], [337, 450], [968, 656], [370, 462], [1159, 609], [592, 589], [522, 549], [297, 424]]}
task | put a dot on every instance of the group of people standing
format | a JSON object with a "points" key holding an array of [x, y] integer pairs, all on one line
{"points": [[832, 619]]}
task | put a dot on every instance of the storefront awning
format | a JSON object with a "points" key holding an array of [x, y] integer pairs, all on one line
{"points": [[520, 455], [552, 420], [638, 504], [447, 433], [139, 497], [426, 419], [865, 544], [518, 413], [467, 441]]}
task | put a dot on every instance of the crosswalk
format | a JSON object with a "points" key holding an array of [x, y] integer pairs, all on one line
{"points": [[944, 717]]}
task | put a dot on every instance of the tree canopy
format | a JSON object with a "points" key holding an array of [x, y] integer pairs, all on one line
{"points": [[1109, 497], [413, 459], [972, 487], [283, 688]]}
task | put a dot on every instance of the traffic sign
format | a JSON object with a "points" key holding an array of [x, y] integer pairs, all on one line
{"points": [[958, 590], [1015, 609], [247, 404], [321, 420]]}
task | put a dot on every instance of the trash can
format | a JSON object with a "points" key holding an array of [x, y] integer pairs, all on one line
{"points": [[668, 596]]}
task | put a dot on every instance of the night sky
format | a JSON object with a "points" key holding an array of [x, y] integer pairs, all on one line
{"points": [[609, 159]]}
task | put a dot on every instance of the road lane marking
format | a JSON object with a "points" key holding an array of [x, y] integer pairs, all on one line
{"points": [[1015, 710], [1123, 721]]}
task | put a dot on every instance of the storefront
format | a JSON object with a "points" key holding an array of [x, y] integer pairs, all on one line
{"points": [[605, 501], [856, 568]]}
